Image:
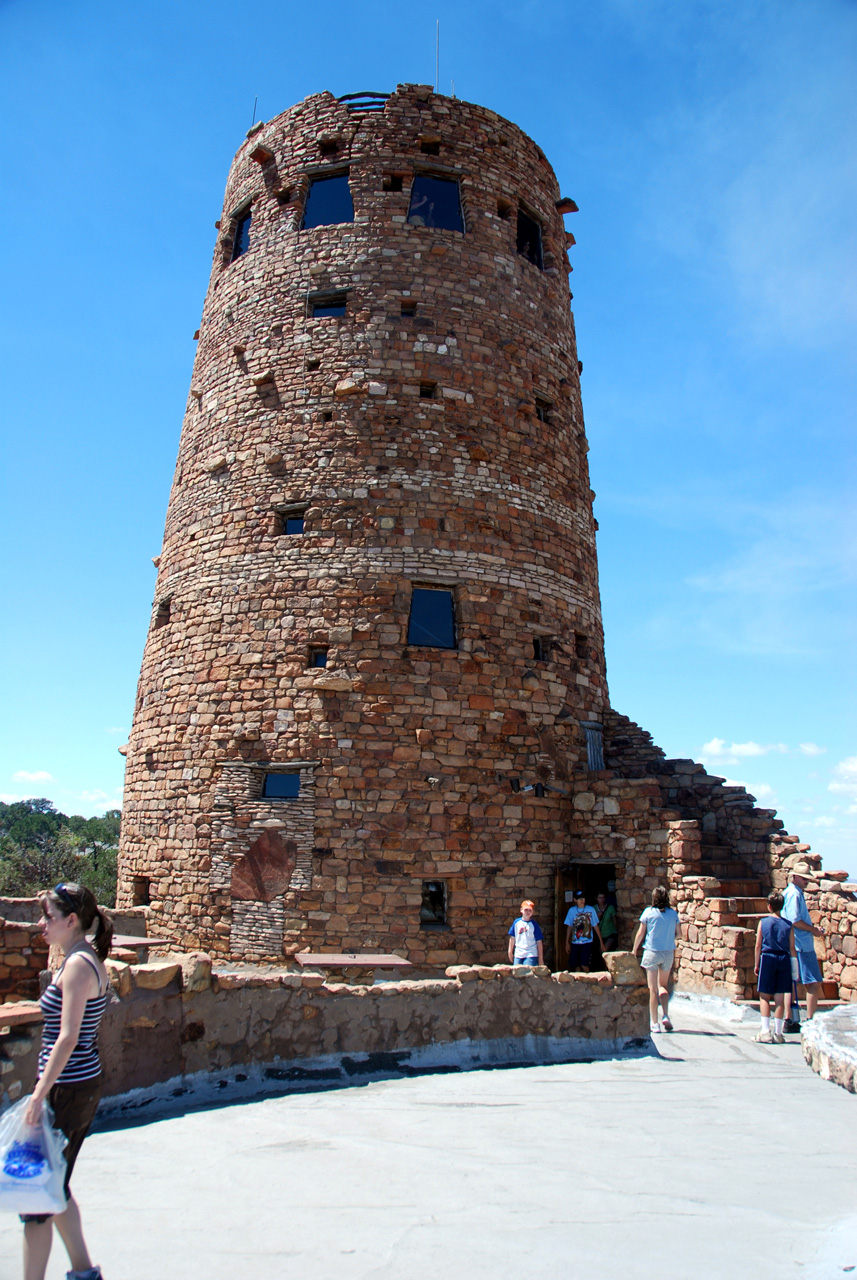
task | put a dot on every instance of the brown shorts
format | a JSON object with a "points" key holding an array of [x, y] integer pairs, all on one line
{"points": [[74, 1107]]}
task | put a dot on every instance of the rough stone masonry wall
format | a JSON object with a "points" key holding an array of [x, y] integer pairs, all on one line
{"points": [[23, 955], [174, 1018], [445, 448]]}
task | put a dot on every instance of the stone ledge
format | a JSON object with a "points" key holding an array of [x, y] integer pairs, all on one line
{"points": [[829, 1044]]}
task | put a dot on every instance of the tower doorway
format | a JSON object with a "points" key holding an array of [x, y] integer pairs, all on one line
{"points": [[593, 878]]}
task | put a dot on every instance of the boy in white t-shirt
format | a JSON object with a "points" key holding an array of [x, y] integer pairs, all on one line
{"points": [[526, 945]]}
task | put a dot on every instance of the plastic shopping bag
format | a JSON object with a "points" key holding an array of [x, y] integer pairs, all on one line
{"points": [[32, 1163]]}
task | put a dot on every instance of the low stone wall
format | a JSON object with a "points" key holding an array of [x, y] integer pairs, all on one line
{"points": [[829, 1044], [23, 955], [175, 1018]]}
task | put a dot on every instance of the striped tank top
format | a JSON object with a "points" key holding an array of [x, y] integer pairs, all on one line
{"points": [[83, 1063]]}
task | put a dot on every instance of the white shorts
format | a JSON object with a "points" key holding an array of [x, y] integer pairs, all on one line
{"points": [[658, 960]]}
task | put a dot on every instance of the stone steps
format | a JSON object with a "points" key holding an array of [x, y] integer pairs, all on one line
{"points": [[726, 870], [742, 889]]}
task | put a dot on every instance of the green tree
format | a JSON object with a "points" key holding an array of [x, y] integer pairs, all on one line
{"points": [[41, 847]]}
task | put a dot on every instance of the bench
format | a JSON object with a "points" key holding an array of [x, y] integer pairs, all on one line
{"points": [[351, 960]]}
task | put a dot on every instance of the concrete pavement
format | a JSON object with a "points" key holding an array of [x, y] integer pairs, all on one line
{"points": [[676, 1165]]}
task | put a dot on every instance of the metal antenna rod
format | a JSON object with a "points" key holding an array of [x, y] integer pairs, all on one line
{"points": [[437, 57], [255, 104]]}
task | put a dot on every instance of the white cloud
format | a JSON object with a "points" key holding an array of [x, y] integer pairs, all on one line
{"points": [[717, 752], [810, 749], [825, 822], [39, 775], [6, 797], [845, 777], [115, 730]]}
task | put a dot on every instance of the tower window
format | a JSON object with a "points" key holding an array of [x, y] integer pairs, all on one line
{"points": [[428, 390], [432, 619], [435, 202], [581, 646], [594, 745], [318, 656], [430, 146], [409, 308], [291, 519], [433, 905], [140, 891], [542, 648], [530, 239], [543, 410], [281, 786], [329, 202], [328, 304], [241, 234], [162, 613], [393, 182]]}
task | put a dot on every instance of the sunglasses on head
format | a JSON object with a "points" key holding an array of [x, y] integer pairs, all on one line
{"points": [[62, 892]]}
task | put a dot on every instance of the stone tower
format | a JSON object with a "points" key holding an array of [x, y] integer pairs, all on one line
{"points": [[372, 697], [376, 621]]}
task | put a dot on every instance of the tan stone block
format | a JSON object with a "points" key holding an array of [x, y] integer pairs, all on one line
{"points": [[119, 975], [154, 976], [625, 969], [196, 971], [311, 980]]}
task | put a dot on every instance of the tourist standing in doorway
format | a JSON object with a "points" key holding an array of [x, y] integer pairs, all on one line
{"points": [[581, 927], [796, 911], [776, 965], [69, 1071], [526, 945], [656, 935], [607, 923]]}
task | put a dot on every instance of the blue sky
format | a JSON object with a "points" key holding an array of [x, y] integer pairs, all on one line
{"points": [[707, 145]]}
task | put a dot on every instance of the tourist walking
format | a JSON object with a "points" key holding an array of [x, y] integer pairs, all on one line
{"points": [[526, 940], [69, 1071], [656, 935], [776, 966], [796, 911]]}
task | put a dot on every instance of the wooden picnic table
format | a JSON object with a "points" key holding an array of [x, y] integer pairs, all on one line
{"points": [[130, 941]]}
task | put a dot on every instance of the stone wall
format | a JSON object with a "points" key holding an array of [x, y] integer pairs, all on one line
{"points": [[432, 435], [23, 955], [175, 1018]]}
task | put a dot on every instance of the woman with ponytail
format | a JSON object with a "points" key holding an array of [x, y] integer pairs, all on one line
{"points": [[69, 1072], [656, 935]]}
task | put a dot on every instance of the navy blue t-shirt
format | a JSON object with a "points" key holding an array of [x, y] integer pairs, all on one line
{"points": [[775, 936]]}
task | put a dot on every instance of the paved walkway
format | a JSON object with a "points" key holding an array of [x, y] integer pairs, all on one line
{"points": [[677, 1165]]}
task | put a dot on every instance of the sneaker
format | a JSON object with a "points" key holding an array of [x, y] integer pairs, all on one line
{"points": [[655, 1029], [668, 1026], [764, 1037], [94, 1273], [778, 1039], [791, 1026]]}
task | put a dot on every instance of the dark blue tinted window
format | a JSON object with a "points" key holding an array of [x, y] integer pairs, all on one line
{"points": [[329, 201], [435, 203], [335, 307], [318, 657], [293, 524], [282, 786], [241, 237], [432, 620], [530, 239]]}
